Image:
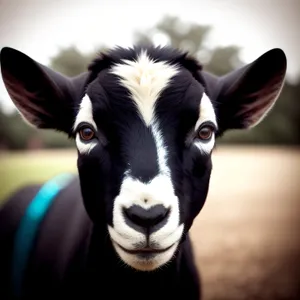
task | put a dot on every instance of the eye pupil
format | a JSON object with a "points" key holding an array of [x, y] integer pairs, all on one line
{"points": [[205, 133], [86, 133]]}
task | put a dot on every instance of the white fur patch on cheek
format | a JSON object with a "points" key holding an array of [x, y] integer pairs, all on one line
{"points": [[207, 114], [84, 148], [85, 114], [206, 147]]}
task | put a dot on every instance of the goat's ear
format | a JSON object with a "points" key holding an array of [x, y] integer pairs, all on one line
{"points": [[45, 98], [244, 96]]}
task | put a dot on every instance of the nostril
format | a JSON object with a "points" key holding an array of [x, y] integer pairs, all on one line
{"points": [[146, 217]]}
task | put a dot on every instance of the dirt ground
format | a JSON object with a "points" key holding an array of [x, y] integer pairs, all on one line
{"points": [[246, 238]]}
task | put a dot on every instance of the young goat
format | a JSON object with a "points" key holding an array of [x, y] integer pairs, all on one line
{"points": [[144, 120]]}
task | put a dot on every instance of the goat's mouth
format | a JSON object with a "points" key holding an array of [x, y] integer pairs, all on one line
{"points": [[142, 252], [146, 259], [145, 252]]}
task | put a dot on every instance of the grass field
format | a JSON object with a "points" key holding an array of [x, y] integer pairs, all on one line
{"points": [[247, 241], [20, 168]]}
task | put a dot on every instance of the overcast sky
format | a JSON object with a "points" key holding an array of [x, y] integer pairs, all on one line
{"points": [[40, 27]]}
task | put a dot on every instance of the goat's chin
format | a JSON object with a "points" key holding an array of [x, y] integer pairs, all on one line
{"points": [[142, 253], [146, 262]]}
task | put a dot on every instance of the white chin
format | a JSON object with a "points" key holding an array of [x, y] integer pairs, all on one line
{"points": [[146, 262]]}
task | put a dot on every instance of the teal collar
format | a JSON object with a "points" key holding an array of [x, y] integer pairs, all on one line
{"points": [[29, 225]]}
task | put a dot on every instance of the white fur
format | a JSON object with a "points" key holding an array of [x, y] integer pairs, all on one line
{"points": [[206, 147], [145, 79], [207, 113], [146, 265], [158, 191], [161, 149], [85, 114]]}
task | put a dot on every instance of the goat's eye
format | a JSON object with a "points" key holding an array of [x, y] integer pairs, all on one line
{"points": [[86, 133], [205, 133]]}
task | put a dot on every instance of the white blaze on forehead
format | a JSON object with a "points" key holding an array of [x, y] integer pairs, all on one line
{"points": [[145, 79], [158, 191], [207, 114], [85, 114]]}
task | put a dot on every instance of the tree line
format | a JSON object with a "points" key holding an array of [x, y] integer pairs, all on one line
{"points": [[280, 127]]}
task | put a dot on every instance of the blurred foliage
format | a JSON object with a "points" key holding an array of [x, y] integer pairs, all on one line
{"points": [[15, 135], [281, 126], [70, 61], [192, 37]]}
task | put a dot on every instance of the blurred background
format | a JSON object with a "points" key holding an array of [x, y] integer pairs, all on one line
{"points": [[247, 236]]}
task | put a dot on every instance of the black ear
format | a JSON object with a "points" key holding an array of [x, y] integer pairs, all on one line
{"points": [[45, 98], [243, 97]]}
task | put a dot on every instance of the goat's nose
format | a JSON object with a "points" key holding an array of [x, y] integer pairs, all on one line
{"points": [[147, 218]]}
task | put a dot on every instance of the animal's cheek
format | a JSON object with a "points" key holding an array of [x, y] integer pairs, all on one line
{"points": [[94, 169], [195, 162], [195, 194], [97, 160], [197, 178]]}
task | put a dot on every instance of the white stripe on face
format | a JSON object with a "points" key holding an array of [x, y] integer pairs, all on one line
{"points": [[85, 114], [159, 191], [207, 114], [161, 149], [145, 79]]}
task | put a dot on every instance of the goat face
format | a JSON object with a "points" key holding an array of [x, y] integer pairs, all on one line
{"points": [[145, 122], [145, 130]]}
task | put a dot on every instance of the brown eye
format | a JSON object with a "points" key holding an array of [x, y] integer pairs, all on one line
{"points": [[86, 133], [205, 133]]}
